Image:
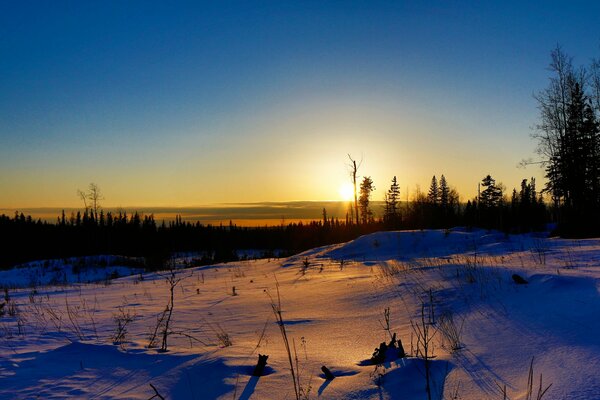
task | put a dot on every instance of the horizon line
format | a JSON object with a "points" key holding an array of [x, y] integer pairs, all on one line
{"points": [[207, 205], [259, 213]]}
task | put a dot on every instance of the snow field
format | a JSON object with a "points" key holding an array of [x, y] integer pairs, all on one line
{"points": [[60, 343]]}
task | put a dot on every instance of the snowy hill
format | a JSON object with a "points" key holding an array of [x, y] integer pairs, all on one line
{"points": [[70, 270], [451, 289]]}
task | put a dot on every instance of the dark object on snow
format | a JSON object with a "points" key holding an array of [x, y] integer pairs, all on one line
{"points": [[328, 375], [156, 394], [519, 280], [379, 354], [260, 365], [397, 344], [388, 352]]}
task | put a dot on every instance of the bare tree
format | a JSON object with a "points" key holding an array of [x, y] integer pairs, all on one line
{"points": [[83, 196], [353, 173], [553, 103], [91, 199], [95, 196]]}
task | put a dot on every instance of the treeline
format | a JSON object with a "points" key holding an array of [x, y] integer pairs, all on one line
{"points": [[95, 232], [440, 207], [88, 233]]}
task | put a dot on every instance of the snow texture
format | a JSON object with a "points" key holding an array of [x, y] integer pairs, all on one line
{"points": [[59, 341]]}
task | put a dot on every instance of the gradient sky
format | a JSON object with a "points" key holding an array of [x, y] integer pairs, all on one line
{"points": [[185, 104]]}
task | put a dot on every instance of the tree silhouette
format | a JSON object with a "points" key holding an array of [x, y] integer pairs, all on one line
{"points": [[433, 195], [568, 140], [444, 193], [391, 215], [366, 187], [353, 173], [91, 199], [491, 195]]}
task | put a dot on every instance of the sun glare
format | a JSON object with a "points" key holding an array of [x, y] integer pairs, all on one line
{"points": [[346, 191]]}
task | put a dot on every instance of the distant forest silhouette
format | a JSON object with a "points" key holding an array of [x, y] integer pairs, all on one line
{"points": [[92, 231]]}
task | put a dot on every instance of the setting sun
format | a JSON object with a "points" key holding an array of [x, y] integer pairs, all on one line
{"points": [[346, 191]]}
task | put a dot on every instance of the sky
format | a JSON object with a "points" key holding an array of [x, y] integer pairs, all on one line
{"points": [[192, 103]]}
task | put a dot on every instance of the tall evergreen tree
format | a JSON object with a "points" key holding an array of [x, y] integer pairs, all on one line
{"points": [[391, 213], [490, 205], [366, 187], [433, 195], [591, 133], [491, 195], [444, 193]]}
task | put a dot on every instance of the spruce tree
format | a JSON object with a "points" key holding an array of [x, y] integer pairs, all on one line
{"points": [[444, 193], [433, 195], [491, 196], [366, 187], [591, 137], [392, 198]]}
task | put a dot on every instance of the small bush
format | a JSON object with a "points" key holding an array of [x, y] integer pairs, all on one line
{"points": [[122, 319], [450, 330]]}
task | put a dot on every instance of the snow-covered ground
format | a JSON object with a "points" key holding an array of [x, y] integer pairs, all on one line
{"points": [[64, 271], [59, 341]]}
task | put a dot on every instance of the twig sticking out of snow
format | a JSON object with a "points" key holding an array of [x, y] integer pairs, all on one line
{"points": [[299, 391], [156, 394]]}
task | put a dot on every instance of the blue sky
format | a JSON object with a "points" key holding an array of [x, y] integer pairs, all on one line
{"points": [[191, 103]]}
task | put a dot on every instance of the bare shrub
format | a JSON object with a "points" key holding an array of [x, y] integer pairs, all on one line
{"points": [[385, 324], [530, 394], [238, 272], [425, 347], [162, 328], [305, 265], [74, 320], [472, 268], [568, 258], [300, 392], [173, 281], [12, 308], [8, 306], [541, 390], [221, 335], [122, 319], [158, 327], [450, 330], [78, 315], [392, 268], [538, 252]]}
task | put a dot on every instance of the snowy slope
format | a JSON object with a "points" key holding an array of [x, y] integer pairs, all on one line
{"points": [[60, 341], [70, 270]]}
